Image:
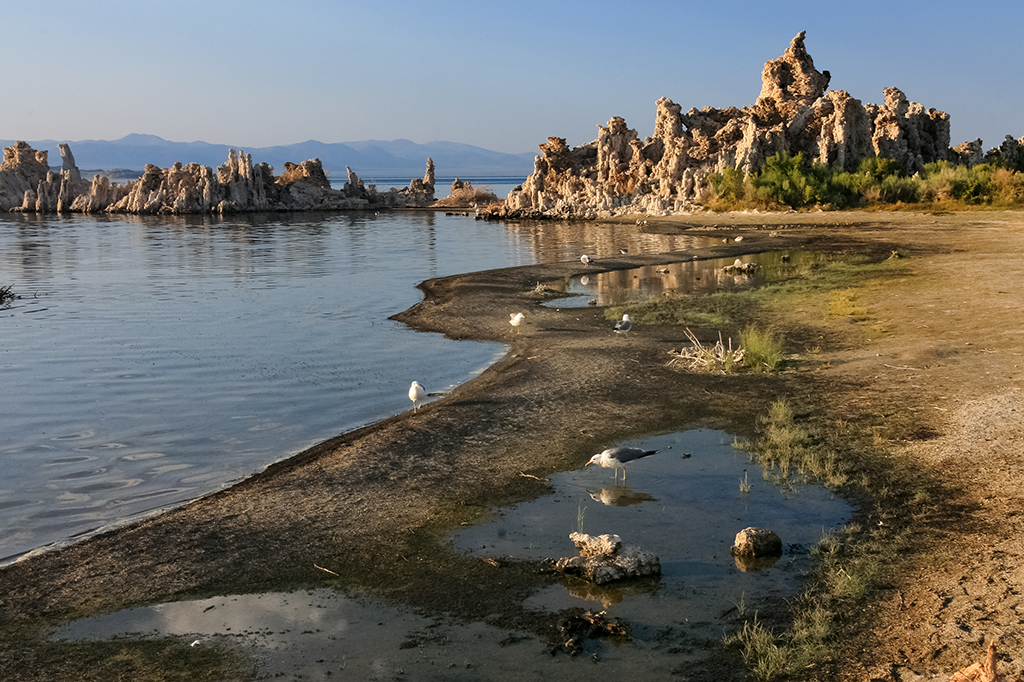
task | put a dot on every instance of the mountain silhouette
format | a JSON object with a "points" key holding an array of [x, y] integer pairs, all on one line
{"points": [[369, 159]]}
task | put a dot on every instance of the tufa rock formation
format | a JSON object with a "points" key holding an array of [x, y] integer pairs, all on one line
{"points": [[795, 112], [464, 195], [756, 542], [28, 185], [604, 558]]}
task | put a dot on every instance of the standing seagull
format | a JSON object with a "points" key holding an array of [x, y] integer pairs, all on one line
{"points": [[516, 319], [623, 326], [617, 458], [416, 395], [586, 260]]}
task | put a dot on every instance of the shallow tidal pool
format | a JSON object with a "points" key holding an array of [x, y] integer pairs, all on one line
{"points": [[621, 287], [685, 504]]}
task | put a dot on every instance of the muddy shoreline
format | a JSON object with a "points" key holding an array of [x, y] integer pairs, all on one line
{"points": [[371, 506]]}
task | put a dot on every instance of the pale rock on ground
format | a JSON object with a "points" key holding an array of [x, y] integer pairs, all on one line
{"points": [[604, 559]]}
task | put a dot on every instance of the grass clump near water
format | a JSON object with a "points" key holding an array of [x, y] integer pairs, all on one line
{"points": [[731, 311], [758, 349], [791, 181], [850, 566], [7, 294], [762, 349], [852, 563], [843, 303], [784, 448], [832, 286]]}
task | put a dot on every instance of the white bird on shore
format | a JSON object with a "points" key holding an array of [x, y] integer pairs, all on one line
{"points": [[586, 260], [416, 395], [516, 319], [617, 458], [624, 325], [624, 251]]}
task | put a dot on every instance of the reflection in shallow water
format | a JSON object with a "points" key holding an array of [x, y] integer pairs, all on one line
{"points": [[684, 505], [619, 496], [752, 563], [620, 287], [320, 634]]}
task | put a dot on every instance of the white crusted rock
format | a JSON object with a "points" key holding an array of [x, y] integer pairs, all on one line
{"points": [[605, 558]]}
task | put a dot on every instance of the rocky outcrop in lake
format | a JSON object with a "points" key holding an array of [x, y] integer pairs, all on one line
{"points": [[28, 185], [666, 173]]}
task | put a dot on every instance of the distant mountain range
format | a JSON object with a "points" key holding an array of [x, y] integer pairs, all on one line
{"points": [[370, 159]]}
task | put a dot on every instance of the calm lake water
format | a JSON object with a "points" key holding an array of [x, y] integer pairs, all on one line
{"points": [[151, 360]]}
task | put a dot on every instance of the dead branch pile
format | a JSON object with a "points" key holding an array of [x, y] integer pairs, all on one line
{"points": [[699, 356]]}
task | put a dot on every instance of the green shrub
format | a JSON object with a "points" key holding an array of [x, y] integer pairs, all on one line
{"points": [[787, 180], [781, 181], [728, 185], [762, 350], [945, 182], [893, 190], [877, 168], [1007, 186]]}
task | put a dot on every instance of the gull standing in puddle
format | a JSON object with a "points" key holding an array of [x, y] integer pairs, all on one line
{"points": [[617, 458]]}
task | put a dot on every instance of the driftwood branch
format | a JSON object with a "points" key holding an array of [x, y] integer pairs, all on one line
{"points": [[326, 570]]}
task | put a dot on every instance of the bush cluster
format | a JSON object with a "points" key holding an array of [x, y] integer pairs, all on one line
{"points": [[789, 181]]}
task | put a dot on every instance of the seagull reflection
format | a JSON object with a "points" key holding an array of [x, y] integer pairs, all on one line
{"points": [[619, 496]]}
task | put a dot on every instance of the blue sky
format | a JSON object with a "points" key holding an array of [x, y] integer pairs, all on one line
{"points": [[504, 76]]}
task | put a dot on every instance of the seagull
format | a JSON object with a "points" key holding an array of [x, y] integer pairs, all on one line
{"points": [[586, 260], [617, 458], [516, 319], [416, 395], [624, 325]]}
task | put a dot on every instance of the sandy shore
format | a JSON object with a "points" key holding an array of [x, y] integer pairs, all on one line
{"points": [[944, 363]]}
